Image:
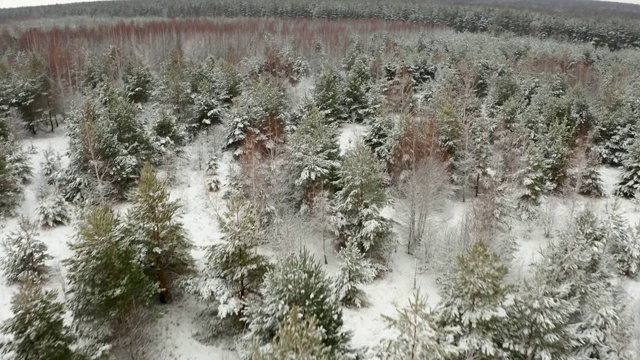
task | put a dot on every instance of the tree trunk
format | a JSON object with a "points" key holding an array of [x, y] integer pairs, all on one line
{"points": [[51, 121], [163, 279]]}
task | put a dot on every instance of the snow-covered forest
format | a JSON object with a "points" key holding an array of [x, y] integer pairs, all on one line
{"points": [[270, 188]]}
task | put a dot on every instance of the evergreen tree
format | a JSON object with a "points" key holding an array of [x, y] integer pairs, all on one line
{"points": [[623, 244], [297, 338], [167, 131], [52, 208], [5, 130], [234, 271], [355, 100], [174, 87], [355, 270], [554, 149], [450, 127], [107, 141], [19, 163], [258, 116], [420, 335], [381, 139], [211, 171], [327, 94], [590, 181], [539, 323], [37, 327], [10, 185], [123, 144], [51, 165], [616, 128], [474, 304], [214, 85], [629, 182], [314, 154], [107, 282], [601, 331], [297, 280], [504, 88], [24, 254], [152, 224], [356, 206], [580, 263], [138, 82], [578, 260], [533, 184], [34, 94]]}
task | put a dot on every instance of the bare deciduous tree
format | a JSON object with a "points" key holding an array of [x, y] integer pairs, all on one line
{"points": [[422, 193]]}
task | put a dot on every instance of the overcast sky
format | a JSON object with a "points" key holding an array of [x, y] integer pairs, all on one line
{"points": [[18, 3]]}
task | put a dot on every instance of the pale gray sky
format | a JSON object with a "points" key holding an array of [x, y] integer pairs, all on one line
{"points": [[18, 3]]}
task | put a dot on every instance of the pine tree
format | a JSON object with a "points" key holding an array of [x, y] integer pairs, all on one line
{"points": [[19, 163], [167, 134], [590, 180], [25, 254], [5, 130], [107, 282], [258, 116], [51, 165], [623, 244], [297, 338], [152, 224], [539, 323], [34, 94], [211, 171], [327, 94], [601, 331], [10, 186], [629, 183], [616, 129], [450, 127], [234, 270], [355, 100], [532, 181], [174, 87], [314, 153], [474, 304], [297, 280], [108, 142], [37, 327], [355, 270], [420, 335], [504, 88], [381, 139], [124, 144], [356, 206], [214, 85], [138, 82], [580, 263], [578, 259], [554, 149], [52, 208]]}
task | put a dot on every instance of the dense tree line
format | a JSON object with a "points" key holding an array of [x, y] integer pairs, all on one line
{"points": [[613, 33], [497, 124]]}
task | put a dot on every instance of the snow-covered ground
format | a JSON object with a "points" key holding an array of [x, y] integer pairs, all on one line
{"points": [[173, 335]]}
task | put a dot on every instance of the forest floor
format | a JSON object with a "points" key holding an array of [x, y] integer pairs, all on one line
{"points": [[175, 335]]}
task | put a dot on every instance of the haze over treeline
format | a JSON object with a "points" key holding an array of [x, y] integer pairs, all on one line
{"points": [[320, 180]]}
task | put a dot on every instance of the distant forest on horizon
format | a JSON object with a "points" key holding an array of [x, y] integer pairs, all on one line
{"points": [[602, 24]]}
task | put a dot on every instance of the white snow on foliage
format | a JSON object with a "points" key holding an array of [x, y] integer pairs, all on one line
{"points": [[174, 333]]}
